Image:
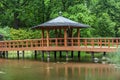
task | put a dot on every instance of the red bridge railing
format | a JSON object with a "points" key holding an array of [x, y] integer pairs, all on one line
{"points": [[60, 42]]}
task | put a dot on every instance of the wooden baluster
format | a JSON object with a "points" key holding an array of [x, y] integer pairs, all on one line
{"points": [[112, 42], [117, 43], [56, 40], [100, 43], [108, 43], [72, 42], [105, 42], [85, 43], [31, 43], [93, 43]]}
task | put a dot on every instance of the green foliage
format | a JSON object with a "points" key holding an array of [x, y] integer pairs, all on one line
{"points": [[5, 33], [115, 57], [24, 34], [101, 15]]}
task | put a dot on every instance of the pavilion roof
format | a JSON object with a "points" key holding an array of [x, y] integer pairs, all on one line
{"points": [[61, 22]]}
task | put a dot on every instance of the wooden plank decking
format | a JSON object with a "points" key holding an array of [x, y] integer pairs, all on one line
{"points": [[59, 44]]}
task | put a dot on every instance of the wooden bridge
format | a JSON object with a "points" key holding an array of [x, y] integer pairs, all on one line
{"points": [[64, 40]]}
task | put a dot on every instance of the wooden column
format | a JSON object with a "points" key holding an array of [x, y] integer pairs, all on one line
{"points": [[65, 37], [78, 35], [42, 56], [18, 55], [79, 55], [56, 33], [104, 54], [47, 38], [92, 54], [23, 54], [55, 56], [67, 57], [35, 54], [6, 54], [48, 56], [60, 55], [42, 37], [72, 55]]}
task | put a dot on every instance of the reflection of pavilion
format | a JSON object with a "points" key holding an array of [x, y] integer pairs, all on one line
{"points": [[62, 40]]}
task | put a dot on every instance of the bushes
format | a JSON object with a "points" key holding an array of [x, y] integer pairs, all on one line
{"points": [[20, 34], [24, 34]]}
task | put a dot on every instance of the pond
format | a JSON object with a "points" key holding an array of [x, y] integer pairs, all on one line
{"points": [[37, 70]]}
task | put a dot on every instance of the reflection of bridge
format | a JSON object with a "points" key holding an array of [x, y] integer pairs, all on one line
{"points": [[68, 41], [93, 71]]}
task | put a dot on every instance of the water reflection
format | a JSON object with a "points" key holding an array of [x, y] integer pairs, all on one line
{"points": [[35, 70]]}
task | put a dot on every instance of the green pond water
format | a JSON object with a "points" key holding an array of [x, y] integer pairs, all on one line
{"points": [[37, 70]]}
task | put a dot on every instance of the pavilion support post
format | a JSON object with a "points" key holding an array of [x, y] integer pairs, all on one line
{"points": [[79, 56], [72, 55], [55, 56], [42, 56], [47, 38], [42, 37], [48, 56], [65, 37], [67, 57], [104, 54], [92, 56], [78, 35], [35, 54], [18, 55], [56, 33], [23, 54]]}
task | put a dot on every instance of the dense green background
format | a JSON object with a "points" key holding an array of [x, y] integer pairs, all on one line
{"points": [[18, 16]]}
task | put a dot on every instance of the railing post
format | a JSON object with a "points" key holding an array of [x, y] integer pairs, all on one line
{"points": [[93, 43], [85, 43], [56, 41], [108, 43], [117, 43], [100, 43]]}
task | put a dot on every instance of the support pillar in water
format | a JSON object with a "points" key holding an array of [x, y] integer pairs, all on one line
{"points": [[48, 56], [6, 54], [55, 56], [18, 55], [72, 55], [104, 54], [79, 55], [42, 56], [67, 57], [60, 54], [92, 54], [35, 54], [23, 54]]}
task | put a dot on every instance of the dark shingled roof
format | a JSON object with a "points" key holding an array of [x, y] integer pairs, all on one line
{"points": [[61, 22]]}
